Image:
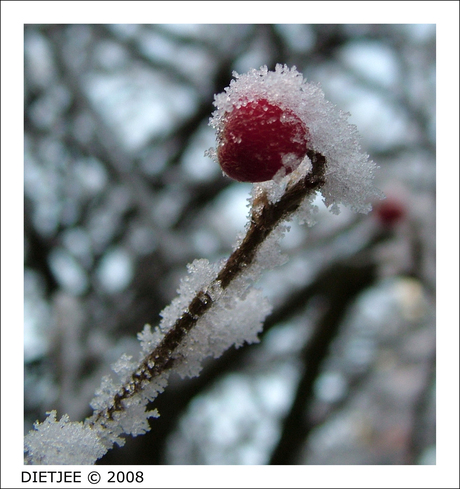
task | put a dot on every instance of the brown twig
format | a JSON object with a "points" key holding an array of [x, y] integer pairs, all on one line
{"points": [[263, 222]]}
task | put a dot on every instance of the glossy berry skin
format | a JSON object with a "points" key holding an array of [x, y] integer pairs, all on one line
{"points": [[258, 139]]}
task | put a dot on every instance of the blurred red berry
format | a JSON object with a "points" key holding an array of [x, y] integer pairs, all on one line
{"points": [[260, 138], [390, 211]]}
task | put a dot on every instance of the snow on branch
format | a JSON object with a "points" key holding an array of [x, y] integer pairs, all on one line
{"points": [[278, 131]]}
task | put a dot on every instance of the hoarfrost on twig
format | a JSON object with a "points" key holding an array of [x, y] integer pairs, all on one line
{"points": [[217, 304]]}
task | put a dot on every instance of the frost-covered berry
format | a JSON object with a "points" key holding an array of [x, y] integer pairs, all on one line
{"points": [[260, 138], [267, 121]]}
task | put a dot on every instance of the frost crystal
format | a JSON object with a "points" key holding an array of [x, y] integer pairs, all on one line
{"points": [[230, 321], [349, 177], [149, 339], [62, 443], [200, 274]]}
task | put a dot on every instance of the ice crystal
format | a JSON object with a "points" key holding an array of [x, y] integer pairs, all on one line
{"points": [[230, 321], [200, 274], [149, 339], [62, 443]]}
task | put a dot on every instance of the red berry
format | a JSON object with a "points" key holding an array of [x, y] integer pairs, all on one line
{"points": [[258, 139], [390, 211]]}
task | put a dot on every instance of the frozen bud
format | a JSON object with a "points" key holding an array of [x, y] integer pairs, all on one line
{"points": [[259, 139]]}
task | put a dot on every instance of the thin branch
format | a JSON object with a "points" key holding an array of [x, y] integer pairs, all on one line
{"points": [[346, 282], [419, 440], [263, 222]]}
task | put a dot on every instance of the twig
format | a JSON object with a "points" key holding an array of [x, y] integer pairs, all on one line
{"points": [[346, 282], [263, 222]]}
